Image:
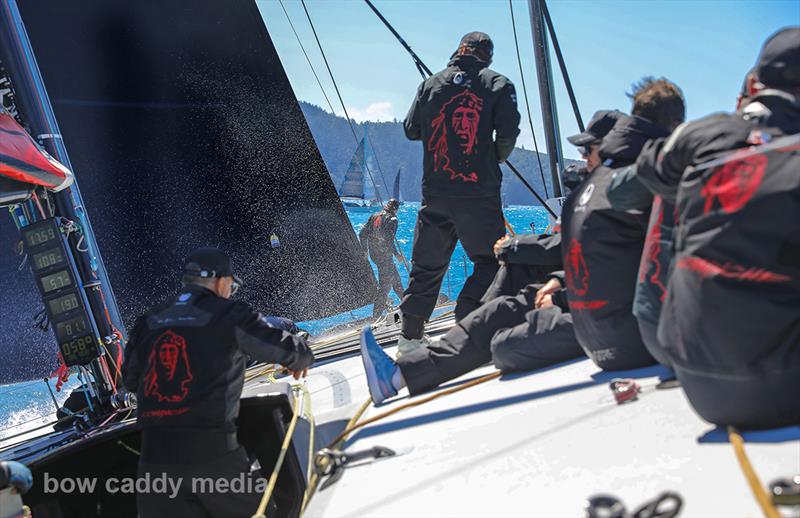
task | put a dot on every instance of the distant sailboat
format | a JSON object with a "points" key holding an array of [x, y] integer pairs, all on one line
{"points": [[396, 194], [362, 180]]}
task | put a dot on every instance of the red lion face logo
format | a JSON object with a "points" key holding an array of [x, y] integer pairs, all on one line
{"points": [[168, 371], [575, 269], [455, 136], [652, 247], [731, 186]]}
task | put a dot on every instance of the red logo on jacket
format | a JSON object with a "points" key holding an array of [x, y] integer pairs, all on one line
{"points": [[455, 136], [652, 248], [731, 186], [168, 370], [575, 270]]}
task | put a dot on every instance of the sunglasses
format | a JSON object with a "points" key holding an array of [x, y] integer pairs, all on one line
{"points": [[585, 151]]}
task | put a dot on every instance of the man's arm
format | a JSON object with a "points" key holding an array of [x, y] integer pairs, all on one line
{"points": [[132, 366], [532, 249], [363, 234], [506, 121], [391, 234], [662, 162], [265, 343], [413, 122], [626, 192]]}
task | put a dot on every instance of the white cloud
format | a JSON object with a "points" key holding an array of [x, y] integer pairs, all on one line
{"points": [[380, 111]]}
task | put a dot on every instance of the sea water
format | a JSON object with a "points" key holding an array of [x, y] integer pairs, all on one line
{"points": [[24, 406]]}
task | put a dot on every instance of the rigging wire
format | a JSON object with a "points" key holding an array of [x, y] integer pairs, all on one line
{"points": [[341, 101], [302, 47], [352, 128], [525, 92]]}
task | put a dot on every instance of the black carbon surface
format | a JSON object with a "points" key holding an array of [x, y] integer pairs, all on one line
{"points": [[183, 131]]}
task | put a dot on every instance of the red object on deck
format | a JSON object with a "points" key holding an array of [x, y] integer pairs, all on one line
{"points": [[22, 160]]}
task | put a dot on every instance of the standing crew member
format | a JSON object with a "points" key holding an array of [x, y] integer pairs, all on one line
{"points": [[378, 240], [455, 114], [185, 360], [730, 324]]}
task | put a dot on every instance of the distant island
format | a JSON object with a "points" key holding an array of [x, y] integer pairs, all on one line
{"points": [[393, 151]]}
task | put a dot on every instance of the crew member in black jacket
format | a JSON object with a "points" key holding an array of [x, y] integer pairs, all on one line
{"points": [[185, 360], [602, 246], [731, 318], [466, 117], [377, 238]]}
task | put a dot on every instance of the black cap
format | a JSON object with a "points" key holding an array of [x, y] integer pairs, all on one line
{"points": [[601, 123], [209, 263], [477, 44], [778, 64]]}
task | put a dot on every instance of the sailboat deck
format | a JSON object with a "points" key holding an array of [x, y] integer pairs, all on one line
{"points": [[539, 444]]}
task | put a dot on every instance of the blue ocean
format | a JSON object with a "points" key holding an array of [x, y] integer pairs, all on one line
{"points": [[24, 406]]}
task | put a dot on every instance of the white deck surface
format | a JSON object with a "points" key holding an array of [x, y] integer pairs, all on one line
{"points": [[538, 444]]}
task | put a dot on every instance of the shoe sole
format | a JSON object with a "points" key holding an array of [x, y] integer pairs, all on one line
{"points": [[369, 368]]}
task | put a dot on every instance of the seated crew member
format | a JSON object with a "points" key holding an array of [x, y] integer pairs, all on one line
{"points": [[602, 241], [731, 319], [186, 359], [378, 240], [466, 116], [529, 258]]}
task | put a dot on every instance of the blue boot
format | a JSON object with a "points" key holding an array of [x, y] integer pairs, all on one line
{"points": [[378, 366]]}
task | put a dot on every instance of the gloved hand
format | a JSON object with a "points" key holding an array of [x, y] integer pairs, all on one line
{"points": [[19, 476]]}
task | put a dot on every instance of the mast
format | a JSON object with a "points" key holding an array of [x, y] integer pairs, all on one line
{"points": [[18, 58], [544, 74]]}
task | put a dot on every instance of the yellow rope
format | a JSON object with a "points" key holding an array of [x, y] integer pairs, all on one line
{"points": [[749, 473], [411, 404], [313, 480], [130, 449], [273, 479]]}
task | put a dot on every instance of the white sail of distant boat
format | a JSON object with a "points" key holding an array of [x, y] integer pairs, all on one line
{"points": [[362, 186], [396, 194]]}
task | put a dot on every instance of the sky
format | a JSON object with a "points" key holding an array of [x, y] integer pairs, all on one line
{"points": [[705, 46]]}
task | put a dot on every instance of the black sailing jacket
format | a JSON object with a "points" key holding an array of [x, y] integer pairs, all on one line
{"points": [[185, 359], [377, 236], [601, 249], [731, 318], [454, 114]]}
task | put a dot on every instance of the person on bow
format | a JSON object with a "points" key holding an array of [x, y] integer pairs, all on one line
{"points": [[586, 308], [730, 325], [378, 241], [185, 360], [466, 117]]}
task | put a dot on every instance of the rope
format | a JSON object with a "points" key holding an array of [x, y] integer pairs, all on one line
{"points": [[509, 228], [130, 449], [313, 481], [273, 479], [411, 404], [330, 105], [750, 475], [527, 104]]}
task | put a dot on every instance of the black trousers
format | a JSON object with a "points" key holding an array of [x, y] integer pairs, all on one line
{"points": [[441, 223], [507, 331], [196, 498], [651, 343], [388, 279]]}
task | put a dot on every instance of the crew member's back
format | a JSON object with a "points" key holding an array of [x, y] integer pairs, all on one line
{"points": [[731, 318], [185, 359]]}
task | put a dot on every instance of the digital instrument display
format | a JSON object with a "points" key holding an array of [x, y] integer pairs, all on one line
{"points": [[63, 304], [55, 281], [79, 351], [48, 258], [72, 328], [41, 234]]}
